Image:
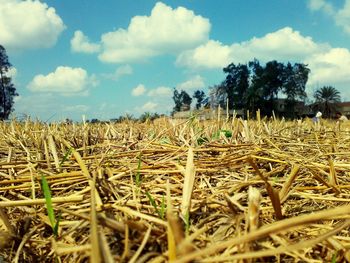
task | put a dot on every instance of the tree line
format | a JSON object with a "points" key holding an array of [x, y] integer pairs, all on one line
{"points": [[253, 86]]}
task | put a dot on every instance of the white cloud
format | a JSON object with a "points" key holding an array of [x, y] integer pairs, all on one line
{"points": [[203, 56], [166, 30], [196, 82], [323, 5], [160, 92], [64, 80], [331, 68], [28, 24], [76, 108], [123, 70], [282, 45], [81, 44], [149, 106], [342, 18], [139, 90]]}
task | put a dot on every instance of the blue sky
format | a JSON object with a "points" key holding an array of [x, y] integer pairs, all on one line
{"points": [[106, 59]]}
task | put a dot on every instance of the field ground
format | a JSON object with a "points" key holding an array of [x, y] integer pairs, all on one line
{"points": [[213, 191]]}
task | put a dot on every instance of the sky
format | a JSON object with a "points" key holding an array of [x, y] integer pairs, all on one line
{"points": [[104, 59]]}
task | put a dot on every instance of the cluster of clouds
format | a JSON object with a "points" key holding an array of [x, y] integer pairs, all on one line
{"points": [[176, 31], [165, 31]]}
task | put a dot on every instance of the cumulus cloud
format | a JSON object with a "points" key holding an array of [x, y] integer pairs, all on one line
{"points": [[160, 92], [342, 18], [331, 68], [81, 44], [28, 25], [166, 30], [203, 56], [196, 82], [282, 45], [64, 80], [138, 91], [149, 106]]}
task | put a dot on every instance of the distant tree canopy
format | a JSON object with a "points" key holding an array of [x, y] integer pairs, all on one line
{"points": [[251, 86], [7, 89], [199, 95], [180, 99], [326, 99]]}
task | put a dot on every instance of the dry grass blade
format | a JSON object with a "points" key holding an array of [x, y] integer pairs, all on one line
{"points": [[282, 249], [95, 255], [288, 184], [53, 150], [142, 246], [188, 184], [273, 194], [254, 198], [42, 201], [333, 174], [174, 236], [282, 225]]}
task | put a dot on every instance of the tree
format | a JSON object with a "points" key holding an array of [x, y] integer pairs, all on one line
{"points": [[254, 86], [8, 90], [177, 100], [236, 83], [181, 99], [295, 79], [199, 95], [326, 98], [218, 95]]}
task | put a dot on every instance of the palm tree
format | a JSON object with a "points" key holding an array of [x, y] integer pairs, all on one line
{"points": [[326, 99]]}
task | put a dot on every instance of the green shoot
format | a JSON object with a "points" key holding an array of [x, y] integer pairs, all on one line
{"points": [[66, 156], [161, 211], [227, 133], [334, 258], [187, 223], [202, 140], [162, 208], [55, 229], [49, 207], [138, 178]]}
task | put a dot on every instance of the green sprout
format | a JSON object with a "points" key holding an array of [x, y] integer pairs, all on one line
{"points": [[161, 211], [187, 223], [227, 133], [66, 156], [138, 178], [50, 212]]}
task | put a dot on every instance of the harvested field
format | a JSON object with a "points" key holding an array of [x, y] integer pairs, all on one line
{"points": [[213, 191]]}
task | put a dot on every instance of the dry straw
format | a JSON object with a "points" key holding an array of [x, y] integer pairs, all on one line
{"points": [[223, 190]]}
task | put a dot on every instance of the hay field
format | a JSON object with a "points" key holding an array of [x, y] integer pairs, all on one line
{"points": [[175, 190]]}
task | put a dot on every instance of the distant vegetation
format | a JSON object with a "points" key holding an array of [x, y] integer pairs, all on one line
{"points": [[247, 87], [255, 86], [7, 89]]}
